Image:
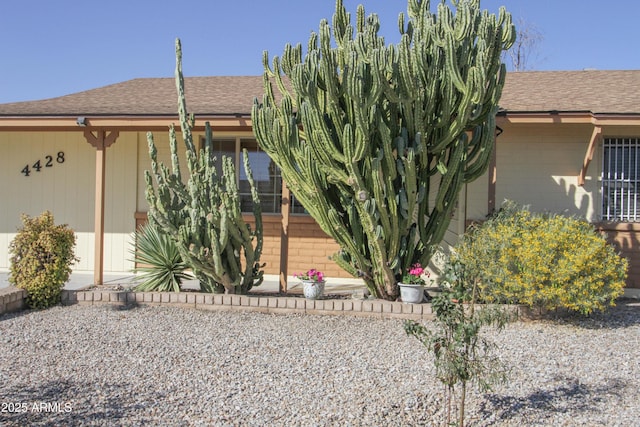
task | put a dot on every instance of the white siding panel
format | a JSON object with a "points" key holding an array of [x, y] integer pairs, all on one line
{"points": [[120, 201], [84, 250], [67, 189], [64, 188]]}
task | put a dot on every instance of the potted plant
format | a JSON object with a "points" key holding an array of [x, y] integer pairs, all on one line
{"points": [[412, 284], [312, 282]]}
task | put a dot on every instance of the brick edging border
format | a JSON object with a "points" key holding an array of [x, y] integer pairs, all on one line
{"points": [[13, 299], [252, 303]]}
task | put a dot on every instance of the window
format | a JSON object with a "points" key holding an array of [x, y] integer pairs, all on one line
{"points": [[223, 147], [620, 181], [267, 180], [266, 175]]}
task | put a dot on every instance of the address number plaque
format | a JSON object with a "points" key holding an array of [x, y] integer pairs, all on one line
{"points": [[48, 162]]}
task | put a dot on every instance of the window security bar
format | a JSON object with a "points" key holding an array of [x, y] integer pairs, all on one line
{"points": [[620, 179]]}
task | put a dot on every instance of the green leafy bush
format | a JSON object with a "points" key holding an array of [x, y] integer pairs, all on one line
{"points": [[159, 259], [548, 261], [42, 255]]}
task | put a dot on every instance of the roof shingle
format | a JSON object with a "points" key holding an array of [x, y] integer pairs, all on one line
{"points": [[616, 92], [150, 97], [595, 91]]}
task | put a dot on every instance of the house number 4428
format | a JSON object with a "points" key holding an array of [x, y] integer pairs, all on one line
{"points": [[48, 162]]}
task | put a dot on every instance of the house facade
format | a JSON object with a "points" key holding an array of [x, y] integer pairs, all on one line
{"points": [[567, 143]]}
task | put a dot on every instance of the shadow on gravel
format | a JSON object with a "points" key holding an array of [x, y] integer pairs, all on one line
{"points": [[625, 314], [572, 397], [16, 314], [58, 403], [27, 311]]}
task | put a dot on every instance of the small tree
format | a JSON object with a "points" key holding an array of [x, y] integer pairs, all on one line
{"points": [[203, 216], [41, 260], [461, 355], [377, 140]]}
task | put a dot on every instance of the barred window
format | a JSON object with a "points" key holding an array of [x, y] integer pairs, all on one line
{"points": [[620, 183]]}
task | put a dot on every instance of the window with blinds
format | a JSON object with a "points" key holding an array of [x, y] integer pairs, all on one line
{"points": [[620, 180]]}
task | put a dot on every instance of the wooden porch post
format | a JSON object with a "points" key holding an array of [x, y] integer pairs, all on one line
{"points": [[100, 141], [284, 237]]}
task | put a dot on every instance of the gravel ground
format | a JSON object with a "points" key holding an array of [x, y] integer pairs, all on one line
{"points": [[99, 365]]}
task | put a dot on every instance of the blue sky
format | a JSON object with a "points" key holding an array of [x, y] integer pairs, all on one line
{"points": [[54, 48]]}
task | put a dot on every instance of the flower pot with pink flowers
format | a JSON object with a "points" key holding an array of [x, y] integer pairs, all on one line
{"points": [[312, 283], [413, 284]]}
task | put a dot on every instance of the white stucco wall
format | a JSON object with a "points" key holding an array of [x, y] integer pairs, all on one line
{"points": [[538, 166]]}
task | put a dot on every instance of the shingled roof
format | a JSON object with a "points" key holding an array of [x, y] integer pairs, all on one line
{"points": [[218, 95], [614, 92], [598, 92]]}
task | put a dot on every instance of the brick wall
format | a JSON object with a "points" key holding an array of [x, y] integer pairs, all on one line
{"points": [[626, 238], [309, 246]]}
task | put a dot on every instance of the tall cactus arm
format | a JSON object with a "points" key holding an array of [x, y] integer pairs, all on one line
{"points": [[203, 214], [372, 138]]}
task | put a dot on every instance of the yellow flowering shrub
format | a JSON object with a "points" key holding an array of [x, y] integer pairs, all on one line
{"points": [[548, 261]]}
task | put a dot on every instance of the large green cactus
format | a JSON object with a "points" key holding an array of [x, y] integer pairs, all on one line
{"points": [[203, 216], [376, 141]]}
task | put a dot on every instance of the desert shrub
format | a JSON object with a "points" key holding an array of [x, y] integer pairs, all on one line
{"points": [[548, 261], [42, 255], [157, 254]]}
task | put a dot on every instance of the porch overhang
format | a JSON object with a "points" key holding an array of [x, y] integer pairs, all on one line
{"points": [[568, 117], [122, 123], [101, 131]]}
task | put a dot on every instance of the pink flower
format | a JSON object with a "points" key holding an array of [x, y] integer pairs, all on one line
{"points": [[414, 274], [311, 274], [416, 270]]}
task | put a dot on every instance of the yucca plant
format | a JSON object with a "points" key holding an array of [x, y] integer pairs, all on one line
{"points": [[159, 260]]}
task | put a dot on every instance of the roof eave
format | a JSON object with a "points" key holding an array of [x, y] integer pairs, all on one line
{"points": [[120, 122], [566, 117]]}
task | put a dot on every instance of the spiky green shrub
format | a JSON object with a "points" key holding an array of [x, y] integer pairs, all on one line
{"points": [[543, 260], [377, 140], [41, 260], [159, 260]]}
